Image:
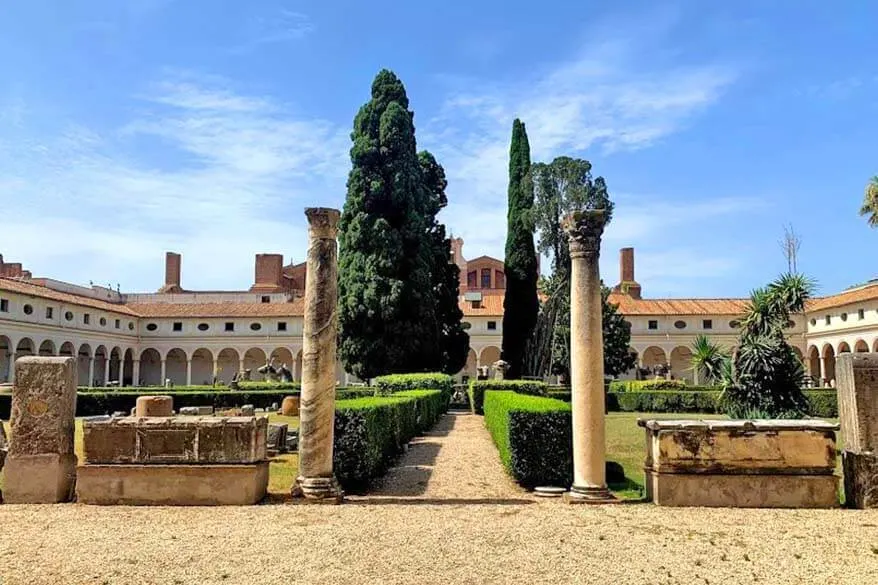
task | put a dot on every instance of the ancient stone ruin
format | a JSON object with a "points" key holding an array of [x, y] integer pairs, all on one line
{"points": [[858, 412]]}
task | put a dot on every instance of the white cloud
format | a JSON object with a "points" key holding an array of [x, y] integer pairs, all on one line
{"points": [[281, 27]]}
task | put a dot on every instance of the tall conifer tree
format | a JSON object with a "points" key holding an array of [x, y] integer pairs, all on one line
{"points": [[520, 305]]}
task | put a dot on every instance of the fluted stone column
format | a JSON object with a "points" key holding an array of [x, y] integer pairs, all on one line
{"points": [[584, 230], [316, 480]]}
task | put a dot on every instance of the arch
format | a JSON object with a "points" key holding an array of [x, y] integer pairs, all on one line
{"points": [[487, 357], [6, 355], [101, 363], [228, 362], [83, 359], [254, 358], [202, 366], [175, 367], [861, 346], [681, 363], [67, 349], [115, 365], [875, 346], [47, 348], [653, 357], [282, 356], [814, 364], [128, 368], [24, 347], [828, 365], [843, 347], [150, 368]]}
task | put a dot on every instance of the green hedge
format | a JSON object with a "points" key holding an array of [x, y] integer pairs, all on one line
{"points": [[477, 389], [249, 386], [653, 385], [393, 383], [533, 435], [370, 432]]}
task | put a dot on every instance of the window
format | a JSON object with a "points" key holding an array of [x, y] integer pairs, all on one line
{"points": [[4, 305], [844, 316], [492, 325], [255, 326], [486, 278], [734, 324], [652, 325], [471, 279], [266, 299], [117, 324], [50, 312], [828, 319], [281, 325], [707, 324], [103, 321], [466, 325], [178, 326], [68, 315], [813, 322], [203, 326], [477, 304], [28, 309], [861, 314], [86, 318], [230, 326], [130, 326], [151, 327], [680, 324]]}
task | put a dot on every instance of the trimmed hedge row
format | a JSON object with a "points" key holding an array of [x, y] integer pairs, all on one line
{"points": [[653, 385], [533, 435], [244, 386], [370, 432], [477, 389], [393, 383]]}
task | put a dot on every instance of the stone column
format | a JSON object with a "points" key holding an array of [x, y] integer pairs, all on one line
{"points": [[584, 230], [164, 371], [91, 371], [823, 379], [108, 362], [135, 373], [188, 372], [316, 480], [41, 466], [857, 376]]}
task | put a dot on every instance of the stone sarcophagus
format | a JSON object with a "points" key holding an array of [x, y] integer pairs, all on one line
{"points": [[182, 461], [747, 464]]}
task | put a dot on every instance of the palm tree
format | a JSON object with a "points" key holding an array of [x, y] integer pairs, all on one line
{"points": [[870, 202], [709, 360]]}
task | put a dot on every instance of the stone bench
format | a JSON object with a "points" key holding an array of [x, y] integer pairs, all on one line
{"points": [[758, 464]]}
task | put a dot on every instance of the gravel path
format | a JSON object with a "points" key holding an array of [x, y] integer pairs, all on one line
{"points": [[447, 514]]}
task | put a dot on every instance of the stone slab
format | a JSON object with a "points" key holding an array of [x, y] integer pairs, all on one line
{"points": [[857, 376], [277, 437], [172, 485], [47, 478], [154, 406], [768, 447], [181, 440], [43, 406], [860, 479], [742, 490]]}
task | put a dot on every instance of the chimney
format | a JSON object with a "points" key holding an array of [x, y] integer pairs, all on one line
{"points": [[457, 258], [173, 263], [269, 273], [627, 285]]}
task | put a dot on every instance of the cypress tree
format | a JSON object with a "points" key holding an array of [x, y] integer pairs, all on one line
{"points": [[520, 306], [387, 307], [453, 340]]}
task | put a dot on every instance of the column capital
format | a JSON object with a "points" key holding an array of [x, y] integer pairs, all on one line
{"points": [[322, 222], [584, 230]]}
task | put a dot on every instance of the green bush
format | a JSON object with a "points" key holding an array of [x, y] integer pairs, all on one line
{"points": [[393, 383], [647, 385], [290, 387], [95, 403], [533, 435], [822, 403], [477, 389], [370, 432]]}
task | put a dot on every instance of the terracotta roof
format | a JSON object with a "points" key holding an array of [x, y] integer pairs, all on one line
{"points": [[867, 292], [630, 306], [492, 305], [296, 308], [34, 290]]}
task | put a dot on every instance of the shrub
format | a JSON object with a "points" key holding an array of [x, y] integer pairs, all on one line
{"points": [[477, 389], [370, 432], [393, 383], [289, 387], [647, 385], [533, 435], [822, 403]]}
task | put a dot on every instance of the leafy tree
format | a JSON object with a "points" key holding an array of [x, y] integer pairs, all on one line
{"points": [[387, 304], [709, 361], [618, 356], [766, 375], [453, 340], [870, 202], [520, 305]]}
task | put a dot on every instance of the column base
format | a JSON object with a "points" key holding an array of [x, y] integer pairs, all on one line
{"points": [[589, 495], [318, 490]]}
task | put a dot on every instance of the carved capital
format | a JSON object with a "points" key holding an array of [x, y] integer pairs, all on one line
{"points": [[584, 230], [322, 222]]}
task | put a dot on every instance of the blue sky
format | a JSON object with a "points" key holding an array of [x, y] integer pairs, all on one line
{"points": [[206, 126]]}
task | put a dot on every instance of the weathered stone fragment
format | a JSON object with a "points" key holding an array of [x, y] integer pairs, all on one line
{"points": [[860, 479], [41, 466], [290, 406], [857, 375], [154, 406], [248, 410], [277, 437]]}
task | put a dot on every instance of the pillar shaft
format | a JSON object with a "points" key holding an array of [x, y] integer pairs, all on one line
{"points": [[189, 372], [91, 371], [135, 373], [317, 410], [584, 230], [164, 371]]}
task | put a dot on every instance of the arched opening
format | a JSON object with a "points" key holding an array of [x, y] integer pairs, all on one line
{"points": [[254, 358], [150, 368], [828, 365], [100, 368], [487, 358], [654, 360], [115, 365], [861, 346], [83, 360], [227, 364], [175, 367], [47, 348], [282, 356], [202, 367], [128, 368], [67, 349], [843, 347], [681, 364], [472, 362], [814, 365], [6, 354], [875, 346]]}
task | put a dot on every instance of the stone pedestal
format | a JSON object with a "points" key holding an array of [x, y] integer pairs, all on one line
{"points": [[857, 375], [584, 230], [41, 466], [154, 406], [316, 481]]}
